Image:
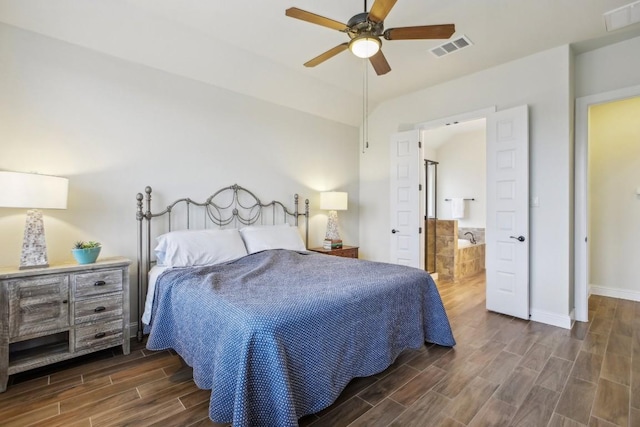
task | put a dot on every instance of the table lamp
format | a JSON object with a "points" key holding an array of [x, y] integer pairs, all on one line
{"points": [[333, 201], [33, 191]]}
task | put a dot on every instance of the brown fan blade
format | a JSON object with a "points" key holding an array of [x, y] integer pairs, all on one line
{"points": [[294, 12], [327, 55], [381, 9], [443, 31], [380, 64]]}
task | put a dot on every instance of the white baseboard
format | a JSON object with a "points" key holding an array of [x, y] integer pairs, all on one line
{"points": [[614, 293], [552, 319]]}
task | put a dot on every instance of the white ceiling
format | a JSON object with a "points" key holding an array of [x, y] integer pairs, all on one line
{"points": [[251, 47]]}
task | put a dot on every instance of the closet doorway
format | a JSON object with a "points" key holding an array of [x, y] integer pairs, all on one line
{"points": [[607, 197]]}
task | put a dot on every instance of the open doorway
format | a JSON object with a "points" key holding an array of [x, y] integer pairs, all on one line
{"points": [[454, 157], [507, 210], [607, 199], [611, 204]]}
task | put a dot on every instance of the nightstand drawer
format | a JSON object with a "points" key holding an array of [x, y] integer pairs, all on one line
{"points": [[344, 252], [89, 310], [100, 282], [348, 253], [105, 334]]}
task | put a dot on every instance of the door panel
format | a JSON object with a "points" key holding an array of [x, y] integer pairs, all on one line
{"points": [[507, 233], [404, 199]]}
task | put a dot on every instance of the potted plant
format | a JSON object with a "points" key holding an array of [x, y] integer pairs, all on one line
{"points": [[86, 252]]}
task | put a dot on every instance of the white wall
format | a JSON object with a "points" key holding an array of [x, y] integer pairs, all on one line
{"points": [[614, 206], [462, 172], [543, 82], [112, 127], [612, 67]]}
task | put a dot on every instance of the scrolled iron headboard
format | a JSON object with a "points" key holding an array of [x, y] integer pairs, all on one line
{"points": [[231, 206]]}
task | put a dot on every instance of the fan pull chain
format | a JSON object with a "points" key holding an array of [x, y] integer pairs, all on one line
{"points": [[365, 107], [365, 101]]}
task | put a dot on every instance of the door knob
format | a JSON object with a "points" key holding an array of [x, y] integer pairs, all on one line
{"points": [[394, 231], [519, 238]]}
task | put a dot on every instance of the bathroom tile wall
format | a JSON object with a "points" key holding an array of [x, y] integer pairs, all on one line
{"points": [[430, 260], [446, 246], [478, 233]]}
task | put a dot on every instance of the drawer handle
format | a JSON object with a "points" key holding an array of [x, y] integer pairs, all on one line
{"points": [[64, 301], [99, 309], [100, 283], [100, 335]]}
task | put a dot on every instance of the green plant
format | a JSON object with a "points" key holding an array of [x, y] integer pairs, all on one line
{"points": [[86, 245]]}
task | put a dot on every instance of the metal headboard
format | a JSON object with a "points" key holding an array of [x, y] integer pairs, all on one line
{"points": [[232, 206]]}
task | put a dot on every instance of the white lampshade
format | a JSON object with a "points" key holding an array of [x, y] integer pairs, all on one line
{"points": [[27, 190], [365, 46], [333, 201], [32, 191]]}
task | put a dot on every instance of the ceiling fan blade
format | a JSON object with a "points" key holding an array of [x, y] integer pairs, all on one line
{"points": [[303, 15], [327, 55], [380, 64], [381, 9], [422, 32]]}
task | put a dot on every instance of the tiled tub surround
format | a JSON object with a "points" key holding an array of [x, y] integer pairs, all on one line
{"points": [[453, 263], [469, 261]]}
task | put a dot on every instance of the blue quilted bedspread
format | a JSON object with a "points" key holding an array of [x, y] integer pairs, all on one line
{"points": [[278, 334]]}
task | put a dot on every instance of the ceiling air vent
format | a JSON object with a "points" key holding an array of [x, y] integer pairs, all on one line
{"points": [[622, 16], [451, 46]]}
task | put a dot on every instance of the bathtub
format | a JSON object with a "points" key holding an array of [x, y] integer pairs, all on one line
{"points": [[464, 243]]}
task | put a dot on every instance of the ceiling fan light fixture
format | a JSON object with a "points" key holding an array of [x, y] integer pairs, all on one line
{"points": [[365, 46]]}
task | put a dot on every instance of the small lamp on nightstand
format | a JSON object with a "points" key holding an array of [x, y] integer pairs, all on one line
{"points": [[333, 201], [33, 191]]}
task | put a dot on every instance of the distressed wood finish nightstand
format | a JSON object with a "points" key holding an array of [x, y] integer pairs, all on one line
{"points": [[52, 314], [345, 251]]}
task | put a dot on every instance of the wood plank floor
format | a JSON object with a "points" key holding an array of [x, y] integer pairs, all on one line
{"points": [[503, 372]]}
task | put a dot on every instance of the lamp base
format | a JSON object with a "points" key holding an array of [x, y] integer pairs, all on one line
{"points": [[34, 246], [332, 227]]}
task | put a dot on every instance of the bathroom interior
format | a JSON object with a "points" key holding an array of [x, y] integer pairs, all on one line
{"points": [[455, 200]]}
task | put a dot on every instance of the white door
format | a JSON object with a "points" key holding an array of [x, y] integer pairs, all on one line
{"points": [[405, 160], [507, 233]]}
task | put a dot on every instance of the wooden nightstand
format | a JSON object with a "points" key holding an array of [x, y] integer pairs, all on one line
{"points": [[345, 251], [52, 314]]}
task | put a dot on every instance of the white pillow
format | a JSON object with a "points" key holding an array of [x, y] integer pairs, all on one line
{"points": [[199, 247], [258, 239]]}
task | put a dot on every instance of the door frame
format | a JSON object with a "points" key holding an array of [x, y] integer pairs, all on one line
{"points": [[581, 193], [463, 117]]}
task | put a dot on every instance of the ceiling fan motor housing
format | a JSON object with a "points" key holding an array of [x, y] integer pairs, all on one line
{"points": [[360, 24]]}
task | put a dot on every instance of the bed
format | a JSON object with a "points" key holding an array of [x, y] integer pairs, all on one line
{"points": [[277, 332]]}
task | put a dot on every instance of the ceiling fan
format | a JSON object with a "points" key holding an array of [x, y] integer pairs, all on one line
{"points": [[365, 30]]}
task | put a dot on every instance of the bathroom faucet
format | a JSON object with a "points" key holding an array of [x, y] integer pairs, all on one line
{"points": [[472, 239]]}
